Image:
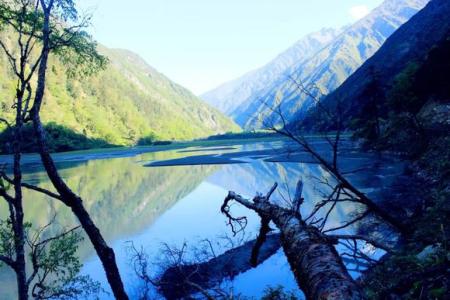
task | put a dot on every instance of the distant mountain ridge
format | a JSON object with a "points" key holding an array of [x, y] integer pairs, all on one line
{"points": [[325, 69], [128, 101], [231, 95], [410, 44]]}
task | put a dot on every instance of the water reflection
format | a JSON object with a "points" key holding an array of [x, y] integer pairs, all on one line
{"points": [[149, 206], [122, 197]]}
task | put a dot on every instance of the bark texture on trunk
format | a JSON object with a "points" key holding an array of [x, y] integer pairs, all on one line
{"points": [[317, 267], [18, 214], [104, 252], [68, 197]]}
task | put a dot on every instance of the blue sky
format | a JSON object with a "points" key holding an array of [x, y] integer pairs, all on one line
{"points": [[203, 43]]}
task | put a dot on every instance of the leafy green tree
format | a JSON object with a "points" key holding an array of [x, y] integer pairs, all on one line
{"points": [[59, 139], [367, 124], [45, 27], [54, 261]]}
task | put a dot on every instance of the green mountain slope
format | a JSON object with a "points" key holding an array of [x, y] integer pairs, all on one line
{"points": [[122, 104]]}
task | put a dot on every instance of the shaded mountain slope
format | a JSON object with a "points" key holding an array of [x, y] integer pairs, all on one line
{"points": [[409, 44], [326, 68]]}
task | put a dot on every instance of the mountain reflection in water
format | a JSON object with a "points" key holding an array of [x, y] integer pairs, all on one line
{"points": [[176, 204]]}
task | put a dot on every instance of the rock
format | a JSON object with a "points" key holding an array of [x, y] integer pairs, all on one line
{"points": [[428, 252]]}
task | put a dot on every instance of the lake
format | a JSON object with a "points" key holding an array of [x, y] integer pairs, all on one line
{"points": [[174, 196]]}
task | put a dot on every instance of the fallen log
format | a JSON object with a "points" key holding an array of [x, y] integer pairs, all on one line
{"points": [[317, 267], [182, 280]]}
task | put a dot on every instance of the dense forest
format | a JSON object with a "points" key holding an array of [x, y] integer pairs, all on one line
{"points": [[127, 103]]}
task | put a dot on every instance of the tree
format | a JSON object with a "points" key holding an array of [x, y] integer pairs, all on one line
{"points": [[45, 27], [53, 260], [367, 122], [316, 265], [308, 243]]}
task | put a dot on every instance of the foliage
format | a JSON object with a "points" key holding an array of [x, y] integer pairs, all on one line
{"points": [[405, 109], [82, 57], [402, 96], [278, 293], [6, 240], [59, 139], [55, 261], [162, 143], [147, 140], [410, 276], [416, 124], [120, 104], [366, 124], [59, 271]]}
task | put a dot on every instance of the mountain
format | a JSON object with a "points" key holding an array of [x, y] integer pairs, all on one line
{"points": [[401, 56], [326, 68], [128, 101], [231, 95]]}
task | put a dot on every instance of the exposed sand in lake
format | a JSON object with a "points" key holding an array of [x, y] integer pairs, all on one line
{"points": [[195, 160]]}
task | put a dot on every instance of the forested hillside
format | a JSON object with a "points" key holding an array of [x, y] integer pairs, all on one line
{"points": [[406, 76], [123, 104], [398, 102]]}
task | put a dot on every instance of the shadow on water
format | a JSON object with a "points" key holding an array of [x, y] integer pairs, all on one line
{"points": [[173, 204], [121, 196]]}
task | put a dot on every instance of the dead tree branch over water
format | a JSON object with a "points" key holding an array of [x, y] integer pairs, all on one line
{"points": [[308, 243], [317, 267], [334, 116]]}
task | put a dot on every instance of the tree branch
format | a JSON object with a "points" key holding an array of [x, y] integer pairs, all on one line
{"points": [[263, 231], [32, 187], [369, 240], [8, 261]]}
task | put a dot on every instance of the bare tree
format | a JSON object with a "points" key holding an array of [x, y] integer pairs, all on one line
{"points": [[181, 276], [316, 265], [44, 27], [334, 117], [309, 244]]}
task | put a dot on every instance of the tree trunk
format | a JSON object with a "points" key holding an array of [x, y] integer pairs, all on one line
{"points": [[21, 276], [17, 216], [105, 253], [317, 267], [20, 271], [68, 197]]}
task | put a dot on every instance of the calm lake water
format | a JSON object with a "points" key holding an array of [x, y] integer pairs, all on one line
{"points": [[152, 206]]}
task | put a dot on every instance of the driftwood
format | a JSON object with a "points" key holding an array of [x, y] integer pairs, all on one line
{"points": [[317, 267], [182, 280]]}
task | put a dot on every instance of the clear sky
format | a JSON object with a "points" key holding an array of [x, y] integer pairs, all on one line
{"points": [[203, 43]]}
